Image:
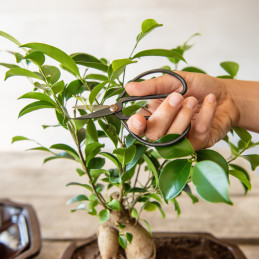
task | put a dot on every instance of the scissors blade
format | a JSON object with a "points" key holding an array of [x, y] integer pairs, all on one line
{"points": [[97, 114], [88, 107]]}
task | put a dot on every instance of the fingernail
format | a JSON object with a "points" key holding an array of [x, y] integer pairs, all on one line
{"points": [[175, 99], [137, 124], [191, 103], [211, 98]]}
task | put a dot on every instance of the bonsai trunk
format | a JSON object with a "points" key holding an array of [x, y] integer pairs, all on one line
{"points": [[142, 246]]}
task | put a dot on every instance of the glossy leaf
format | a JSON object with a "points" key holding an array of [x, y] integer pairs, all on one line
{"points": [[211, 182], [134, 213], [77, 198], [176, 207], [230, 67], [122, 241], [194, 69], [38, 96], [37, 57], [128, 175], [9, 37], [98, 77], [87, 60], [95, 173], [114, 205], [125, 155], [110, 131], [51, 73], [96, 163], [242, 177], [146, 27], [66, 148], [19, 138], [211, 155], [140, 150], [159, 52], [56, 54], [86, 186], [112, 92], [243, 134], [188, 191], [58, 156], [35, 106], [103, 216], [112, 158], [58, 87], [148, 227], [174, 177], [91, 133], [7, 65], [91, 150], [119, 65], [130, 110], [151, 167], [181, 149], [253, 160], [18, 71], [96, 91], [129, 237]]}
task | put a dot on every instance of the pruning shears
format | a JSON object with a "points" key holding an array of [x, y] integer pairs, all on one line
{"points": [[116, 108]]}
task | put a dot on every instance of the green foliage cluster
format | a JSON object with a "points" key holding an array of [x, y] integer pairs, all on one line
{"points": [[169, 170]]}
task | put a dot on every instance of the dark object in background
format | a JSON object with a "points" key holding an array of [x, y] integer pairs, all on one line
{"points": [[19, 231], [168, 245]]}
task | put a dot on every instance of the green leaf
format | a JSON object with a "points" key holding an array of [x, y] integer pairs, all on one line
{"points": [[211, 182], [35, 106], [178, 50], [58, 87], [129, 237], [134, 213], [113, 91], [188, 191], [119, 65], [130, 110], [51, 73], [56, 54], [114, 205], [125, 155], [243, 134], [91, 150], [176, 207], [38, 96], [112, 158], [95, 173], [96, 91], [159, 52], [211, 155], [151, 167], [122, 241], [128, 175], [241, 169], [91, 133], [19, 138], [86, 186], [230, 67], [181, 149], [154, 196], [9, 37], [194, 69], [149, 206], [103, 216], [60, 155], [8, 65], [110, 131], [67, 149], [87, 60], [242, 177], [140, 150], [18, 71], [96, 163], [253, 160], [115, 122], [174, 177], [148, 227], [98, 77], [147, 26], [80, 172], [78, 198], [74, 87], [37, 57]]}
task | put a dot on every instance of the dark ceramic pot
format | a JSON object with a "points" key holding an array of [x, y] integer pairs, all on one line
{"points": [[168, 246], [19, 231]]}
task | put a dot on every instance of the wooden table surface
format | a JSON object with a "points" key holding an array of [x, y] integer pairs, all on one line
{"points": [[24, 179]]}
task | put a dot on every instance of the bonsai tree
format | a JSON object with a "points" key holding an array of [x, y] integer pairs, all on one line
{"points": [[116, 195]]}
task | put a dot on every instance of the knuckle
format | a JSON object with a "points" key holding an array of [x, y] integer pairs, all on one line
{"points": [[201, 129]]}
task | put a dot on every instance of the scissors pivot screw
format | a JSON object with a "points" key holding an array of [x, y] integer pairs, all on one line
{"points": [[113, 108]]}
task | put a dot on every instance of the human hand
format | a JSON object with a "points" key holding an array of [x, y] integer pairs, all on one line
{"points": [[207, 105]]}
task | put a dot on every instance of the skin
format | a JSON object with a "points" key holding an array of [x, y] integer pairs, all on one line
{"points": [[211, 105]]}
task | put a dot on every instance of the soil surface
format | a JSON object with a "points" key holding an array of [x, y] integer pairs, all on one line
{"points": [[169, 248]]}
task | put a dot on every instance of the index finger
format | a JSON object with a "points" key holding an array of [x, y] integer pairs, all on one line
{"points": [[160, 85]]}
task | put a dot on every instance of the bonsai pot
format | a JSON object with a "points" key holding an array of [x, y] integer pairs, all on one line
{"points": [[168, 246], [19, 230]]}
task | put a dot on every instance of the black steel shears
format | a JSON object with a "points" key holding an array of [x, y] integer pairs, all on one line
{"points": [[116, 108]]}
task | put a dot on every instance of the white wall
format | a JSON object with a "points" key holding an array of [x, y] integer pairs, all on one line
{"points": [[108, 28]]}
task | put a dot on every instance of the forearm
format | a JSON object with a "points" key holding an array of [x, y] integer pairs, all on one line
{"points": [[245, 95]]}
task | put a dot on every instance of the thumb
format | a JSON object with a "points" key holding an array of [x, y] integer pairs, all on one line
{"points": [[160, 85]]}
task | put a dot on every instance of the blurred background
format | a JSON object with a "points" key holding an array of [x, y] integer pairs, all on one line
{"points": [[228, 29]]}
